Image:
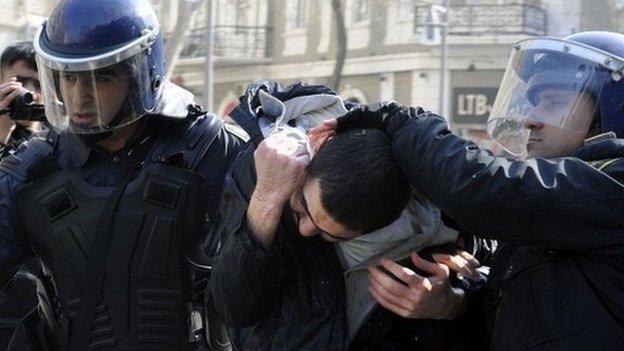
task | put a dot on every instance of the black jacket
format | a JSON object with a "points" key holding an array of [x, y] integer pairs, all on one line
{"points": [[292, 297], [288, 298], [564, 284], [384, 330]]}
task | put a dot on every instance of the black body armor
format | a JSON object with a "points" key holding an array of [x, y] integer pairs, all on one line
{"points": [[152, 291], [143, 303]]}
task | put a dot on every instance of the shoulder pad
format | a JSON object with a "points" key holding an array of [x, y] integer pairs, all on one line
{"points": [[236, 131], [202, 133], [24, 161]]}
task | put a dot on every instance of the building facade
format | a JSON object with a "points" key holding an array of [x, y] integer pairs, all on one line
{"points": [[387, 58], [19, 19], [386, 55]]}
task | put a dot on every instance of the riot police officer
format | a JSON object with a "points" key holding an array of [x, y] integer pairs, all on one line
{"points": [[116, 200], [557, 207]]}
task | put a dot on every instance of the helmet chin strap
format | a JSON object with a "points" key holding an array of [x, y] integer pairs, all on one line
{"points": [[92, 139], [595, 127]]}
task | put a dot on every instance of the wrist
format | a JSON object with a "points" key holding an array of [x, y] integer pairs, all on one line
{"points": [[456, 303], [263, 217], [268, 197]]}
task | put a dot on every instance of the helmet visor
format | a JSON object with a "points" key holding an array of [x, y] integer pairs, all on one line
{"points": [[548, 83], [95, 100]]}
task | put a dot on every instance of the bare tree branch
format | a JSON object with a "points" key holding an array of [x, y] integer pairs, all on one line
{"points": [[341, 35]]}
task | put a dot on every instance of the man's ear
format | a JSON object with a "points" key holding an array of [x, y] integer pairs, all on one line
{"points": [[318, 140]]}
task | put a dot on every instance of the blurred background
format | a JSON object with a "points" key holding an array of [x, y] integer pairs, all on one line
{"points": [[445, 55]]}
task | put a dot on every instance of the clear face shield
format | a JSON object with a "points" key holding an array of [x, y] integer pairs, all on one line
{"points": [[95, 95], [549, 96]]}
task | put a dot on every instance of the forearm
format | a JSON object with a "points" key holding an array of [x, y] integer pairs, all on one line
{"points": [[263, 217], [505, 199]]}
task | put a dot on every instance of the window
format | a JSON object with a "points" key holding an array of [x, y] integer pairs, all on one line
{"points": [[297, 14], [405, 9], [360, 11]]}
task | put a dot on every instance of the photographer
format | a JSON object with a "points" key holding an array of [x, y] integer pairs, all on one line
{"points": [[18, 73]]}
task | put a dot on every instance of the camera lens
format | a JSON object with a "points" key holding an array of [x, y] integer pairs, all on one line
{"points": [[25, 97]]}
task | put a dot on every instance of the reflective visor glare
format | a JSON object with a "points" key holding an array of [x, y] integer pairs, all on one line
{"points": [[545, 87], [87, 102]]}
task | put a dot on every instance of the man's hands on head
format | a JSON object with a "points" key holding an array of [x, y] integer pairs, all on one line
{"points": [[8, 92], [417, 296], [280, 164]]}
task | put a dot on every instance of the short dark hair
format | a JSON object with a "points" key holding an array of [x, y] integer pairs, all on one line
{"points": [[362, 187], [23, 50]]}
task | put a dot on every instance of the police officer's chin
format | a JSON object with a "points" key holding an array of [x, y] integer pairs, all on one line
{"points": [[94, 138]]}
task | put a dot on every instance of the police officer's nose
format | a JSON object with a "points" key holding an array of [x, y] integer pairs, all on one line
{"points": [[83, 88], [532, 124], [534, 120]]}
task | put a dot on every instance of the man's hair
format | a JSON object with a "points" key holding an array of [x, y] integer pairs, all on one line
{"points": [[23, 50], [362, 187]]}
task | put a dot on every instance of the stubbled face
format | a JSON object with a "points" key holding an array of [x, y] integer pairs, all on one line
{"points": [[547, 138], [312, 218], [94, 98]]}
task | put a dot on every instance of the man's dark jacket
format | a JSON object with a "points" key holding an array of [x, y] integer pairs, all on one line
{"points": [[564, 285], [291, 297]]}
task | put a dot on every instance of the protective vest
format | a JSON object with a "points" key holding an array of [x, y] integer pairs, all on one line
{"points": [[146, 299]]}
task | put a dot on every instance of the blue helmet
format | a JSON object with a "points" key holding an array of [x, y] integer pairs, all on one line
{"points": [[610, 117], [101, 64], [573, 84]]}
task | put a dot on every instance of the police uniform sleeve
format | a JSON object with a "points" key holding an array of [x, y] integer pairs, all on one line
{"points": [[562, 203], [13, 246]]}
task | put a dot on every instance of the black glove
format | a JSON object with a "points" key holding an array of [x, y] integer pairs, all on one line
{"points": [[388, 116]]}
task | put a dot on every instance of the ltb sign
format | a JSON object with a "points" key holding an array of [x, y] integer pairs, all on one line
{"points": [[472, 105]]}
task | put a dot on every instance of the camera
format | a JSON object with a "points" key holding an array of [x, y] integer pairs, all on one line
{"points": [[22, 108]]}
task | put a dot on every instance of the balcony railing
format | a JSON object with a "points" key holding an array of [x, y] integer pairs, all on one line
{"points": [[490, 19], [245, 42]]}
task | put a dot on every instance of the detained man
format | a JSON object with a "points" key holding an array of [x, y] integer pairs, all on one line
{"points": [[279, 281]]}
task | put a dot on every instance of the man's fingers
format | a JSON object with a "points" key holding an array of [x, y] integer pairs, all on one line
{"points": [[383, 301], [394, 292], [328, 125], [387, 283], [331, 123], [462, 262], [429, 267], [406, 275], [9, 88], [470, 258], [455, 263], [6, 101]]}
